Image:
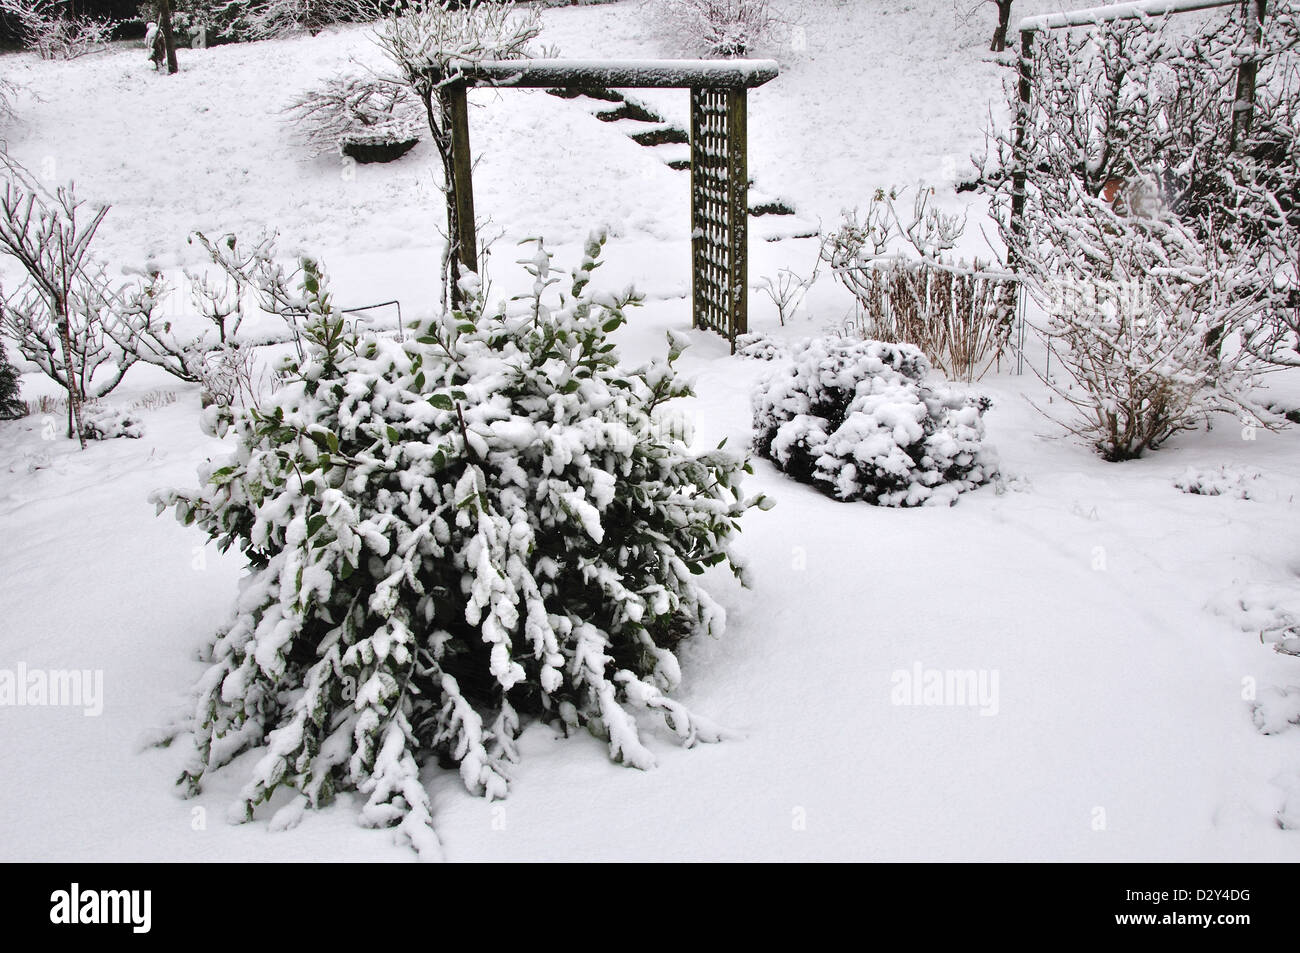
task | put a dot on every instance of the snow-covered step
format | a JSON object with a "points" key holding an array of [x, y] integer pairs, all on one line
{"points": [[654, 134], [761, 203], [775, 228], [609, 112], [601, 95], [676, 155]]}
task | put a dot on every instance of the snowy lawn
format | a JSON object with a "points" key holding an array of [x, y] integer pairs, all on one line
{"points": [[1113, 619]]}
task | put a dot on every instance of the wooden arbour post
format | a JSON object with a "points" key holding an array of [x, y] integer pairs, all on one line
{"points": [[719, 160], [456, 108]]}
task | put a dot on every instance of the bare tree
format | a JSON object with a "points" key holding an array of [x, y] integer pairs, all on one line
{"points": [[49, 236], [428, 41]]}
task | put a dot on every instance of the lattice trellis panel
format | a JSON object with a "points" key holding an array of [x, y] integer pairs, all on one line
{"points": [[719, 211]]}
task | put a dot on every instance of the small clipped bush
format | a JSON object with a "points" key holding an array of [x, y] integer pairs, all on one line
{"points": [[859, 421], [448, 536]]}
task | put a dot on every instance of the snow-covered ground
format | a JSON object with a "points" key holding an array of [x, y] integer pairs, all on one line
{"points": [[1120, 616]]}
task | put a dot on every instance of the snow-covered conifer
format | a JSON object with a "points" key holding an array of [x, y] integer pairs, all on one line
{"points": [[11, 405]]}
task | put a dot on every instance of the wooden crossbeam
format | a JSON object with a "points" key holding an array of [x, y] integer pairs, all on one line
{"points": [[619, 74]]}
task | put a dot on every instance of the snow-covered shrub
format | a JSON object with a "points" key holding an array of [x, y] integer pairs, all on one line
{"points": [[1133, 305], [271, 18], [1221, 481], [713, 27], [960, 315], [355, 110], [54, 33], [758, 346], [11, 404], [859, 421], [450, 535], [1157, 228], [103, 421]]}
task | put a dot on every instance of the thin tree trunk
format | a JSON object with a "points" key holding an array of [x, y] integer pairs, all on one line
{"points": [[1243, 109], [165, 27], [74, 391], [1004, 22]]}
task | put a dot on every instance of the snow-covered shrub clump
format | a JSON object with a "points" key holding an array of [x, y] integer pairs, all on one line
{"points": [[1226, 480], [859, 420], [758, 346], [101, 421], [272, 18], [358, 110], [448, 536], [713, 27]]}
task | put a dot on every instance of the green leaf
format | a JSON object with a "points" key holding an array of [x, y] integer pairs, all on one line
{"points": [[441, 401], [314, 523], [393, 435]]}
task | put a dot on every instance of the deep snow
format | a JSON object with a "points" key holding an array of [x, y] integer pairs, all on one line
{"points": [[1120, 615]]}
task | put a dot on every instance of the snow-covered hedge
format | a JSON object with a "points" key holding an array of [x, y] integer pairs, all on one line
{"points": [[448, 536], [858, 420]]}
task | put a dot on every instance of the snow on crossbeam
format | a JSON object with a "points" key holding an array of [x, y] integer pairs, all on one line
{"points": [[620, 74], [1119, 11]]}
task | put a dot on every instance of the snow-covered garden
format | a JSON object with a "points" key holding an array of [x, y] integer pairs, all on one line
{"points": [[980, 546]]}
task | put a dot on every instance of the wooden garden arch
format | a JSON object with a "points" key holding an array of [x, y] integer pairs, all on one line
{"points": [[719, 166]]}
